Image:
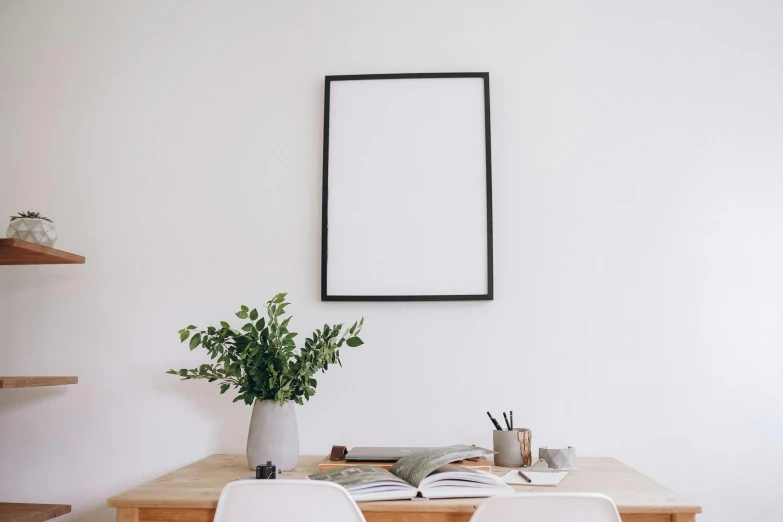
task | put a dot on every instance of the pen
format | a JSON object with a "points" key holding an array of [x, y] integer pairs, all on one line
{"points": [[497, 426], [506, 419], [511, 414], [524, 477]]}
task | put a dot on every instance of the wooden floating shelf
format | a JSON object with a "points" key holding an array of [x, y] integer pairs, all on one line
{"points": [[18, 252], [34, 382], [12, 512]]}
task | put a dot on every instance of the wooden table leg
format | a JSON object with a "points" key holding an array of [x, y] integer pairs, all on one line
{"points": [[127, 514]]}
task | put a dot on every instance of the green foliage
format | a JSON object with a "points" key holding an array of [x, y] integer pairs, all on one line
{"points": [[33, 215], [261, 360]]}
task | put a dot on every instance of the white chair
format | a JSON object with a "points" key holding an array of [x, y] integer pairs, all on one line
{"points": [[286, 501], [548, 507]]}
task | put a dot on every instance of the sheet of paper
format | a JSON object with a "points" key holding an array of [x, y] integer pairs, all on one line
{"points": [[539, 478]]}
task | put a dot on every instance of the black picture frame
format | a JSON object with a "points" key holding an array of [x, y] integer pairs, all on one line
{"points": [[325, 296]]}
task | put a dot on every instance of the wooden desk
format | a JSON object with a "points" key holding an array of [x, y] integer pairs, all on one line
{"points": [[191, 494]]}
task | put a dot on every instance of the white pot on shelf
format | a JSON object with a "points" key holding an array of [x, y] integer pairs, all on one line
{"points": [[34, 230], [273, 435]]}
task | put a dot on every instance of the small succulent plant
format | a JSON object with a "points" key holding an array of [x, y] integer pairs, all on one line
{"points": [[31, 215]]}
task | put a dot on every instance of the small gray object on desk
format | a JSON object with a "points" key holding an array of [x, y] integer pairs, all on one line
{"points": [[564, 459]]}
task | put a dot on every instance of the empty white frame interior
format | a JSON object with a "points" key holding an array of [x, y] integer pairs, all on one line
{"points": [[407, 193]]}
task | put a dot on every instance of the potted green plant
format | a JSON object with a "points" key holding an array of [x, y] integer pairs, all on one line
{"points": [[261, 362], [32, 227]]}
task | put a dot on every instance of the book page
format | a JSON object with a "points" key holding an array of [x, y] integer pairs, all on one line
{"points": [[456, 482], [459, 476], [413, 468], [436, 491], [360, 477]]}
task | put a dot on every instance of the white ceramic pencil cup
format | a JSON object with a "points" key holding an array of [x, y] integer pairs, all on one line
{"points": [[513, 448]]}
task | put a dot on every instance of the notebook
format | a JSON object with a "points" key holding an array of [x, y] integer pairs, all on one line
{"points": [[538, 478]]}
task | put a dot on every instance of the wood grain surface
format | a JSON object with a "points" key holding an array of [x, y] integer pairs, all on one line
{"points": [[198, 487], [18, 252], [35, 382], [13, 512]]}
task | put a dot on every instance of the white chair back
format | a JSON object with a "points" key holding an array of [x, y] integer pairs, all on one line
{"points": [[548, 507], [286, 500]]}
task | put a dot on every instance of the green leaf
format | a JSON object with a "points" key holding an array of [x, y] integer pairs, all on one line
{"points": [[260, 359]]}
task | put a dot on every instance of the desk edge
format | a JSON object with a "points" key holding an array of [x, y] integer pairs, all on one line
{"points": [[400, 506]]}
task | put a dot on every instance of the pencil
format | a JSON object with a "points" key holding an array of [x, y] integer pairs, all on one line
{"points": [[497, 426], [524, 477]]}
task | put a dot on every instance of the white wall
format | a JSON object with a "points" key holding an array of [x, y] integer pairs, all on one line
{"points": [[638, 213]]}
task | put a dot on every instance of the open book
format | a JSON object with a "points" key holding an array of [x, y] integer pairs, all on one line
{"points": [[425, 474]]}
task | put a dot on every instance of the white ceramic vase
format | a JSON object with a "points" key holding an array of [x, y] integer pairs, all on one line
{"points": [[34, 230], [273, 435]]}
